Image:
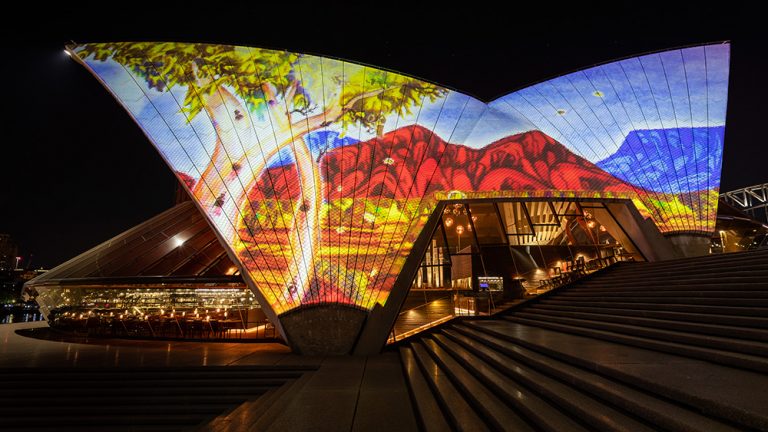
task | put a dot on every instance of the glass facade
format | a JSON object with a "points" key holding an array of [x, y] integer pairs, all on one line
{"points": [[487, 254], [189, 312], [166, 277]]}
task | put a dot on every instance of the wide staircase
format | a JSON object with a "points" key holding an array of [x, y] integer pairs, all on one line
{"points": [[678, 345], [135, 399]]}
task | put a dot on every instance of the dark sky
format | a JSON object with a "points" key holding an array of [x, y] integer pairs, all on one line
{"points": [[77, 170]]}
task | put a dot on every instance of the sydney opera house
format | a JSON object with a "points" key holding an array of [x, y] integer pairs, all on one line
{"points": [[330, 202]]}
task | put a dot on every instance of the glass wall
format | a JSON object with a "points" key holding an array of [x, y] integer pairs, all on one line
{"points": [[488, 255], [183, 311]]}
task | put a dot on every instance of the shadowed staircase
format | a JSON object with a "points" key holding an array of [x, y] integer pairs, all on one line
{"points": [[132, 399], [678, 345]]}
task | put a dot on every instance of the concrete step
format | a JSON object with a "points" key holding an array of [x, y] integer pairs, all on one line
{"points": [[136, 399], [139, 407], [698, 309], [428, 412], [707, 341], [155, 391], [263, 417], [705, 318], [693, 267], [460, 414], [597, 400], [98, 401], [134, 375], [182, 383], [106, 422], [724, 357], [246, 413], [759, 256], [735, 269], [548, 416], [488, 406], [685, 299], [750, 291], [652, 292], [681, 326], [672, 276], [703, 284], [112, 428], [726, 394]]}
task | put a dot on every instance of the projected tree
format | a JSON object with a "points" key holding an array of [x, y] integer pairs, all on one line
{"points": [[297, 94]]}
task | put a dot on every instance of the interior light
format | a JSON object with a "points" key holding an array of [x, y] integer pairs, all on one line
{"points": [[179, 242], [67, 53]]}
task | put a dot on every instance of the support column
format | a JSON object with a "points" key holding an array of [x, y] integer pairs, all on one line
{"points": [[327, 329]]}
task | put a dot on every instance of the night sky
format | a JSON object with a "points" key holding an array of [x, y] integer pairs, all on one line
{"points": [[76, 170]]}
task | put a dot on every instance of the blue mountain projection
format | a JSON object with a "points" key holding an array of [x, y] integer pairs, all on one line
{"points": [[669, 160], [319, 142]]}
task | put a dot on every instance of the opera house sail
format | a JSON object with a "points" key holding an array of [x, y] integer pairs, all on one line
{"points": [[319, 175]]}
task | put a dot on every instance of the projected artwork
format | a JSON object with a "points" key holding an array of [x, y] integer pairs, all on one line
{"points": [[320, 174]]}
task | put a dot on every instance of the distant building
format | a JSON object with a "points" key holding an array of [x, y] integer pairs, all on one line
{"points": [[9, 252]]}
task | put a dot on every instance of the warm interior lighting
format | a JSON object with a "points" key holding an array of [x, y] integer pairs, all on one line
{"points": [[459, 229], [448, 222]]}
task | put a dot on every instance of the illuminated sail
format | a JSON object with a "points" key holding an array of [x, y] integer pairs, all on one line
{"points": [[319, 174]]}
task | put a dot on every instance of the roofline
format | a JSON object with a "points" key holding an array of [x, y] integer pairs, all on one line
{"points": [[72, 45]]}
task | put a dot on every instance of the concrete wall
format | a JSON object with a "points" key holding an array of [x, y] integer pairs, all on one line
{"points": [[329, 329], [643, 233], [691, 245]]}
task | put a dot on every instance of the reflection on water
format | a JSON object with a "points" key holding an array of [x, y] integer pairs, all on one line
{"points": [[10, 315]]}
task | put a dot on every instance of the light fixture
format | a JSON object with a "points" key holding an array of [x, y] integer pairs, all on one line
{"points": [[179, 242], [459, 229], [448, 222], [66, 51]]}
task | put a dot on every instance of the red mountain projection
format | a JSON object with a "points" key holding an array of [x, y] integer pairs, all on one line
{"points": [[412, 161]]}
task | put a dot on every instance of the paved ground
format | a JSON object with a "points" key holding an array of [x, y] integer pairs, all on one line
{"points": [[21, 351], [345, 394]]}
